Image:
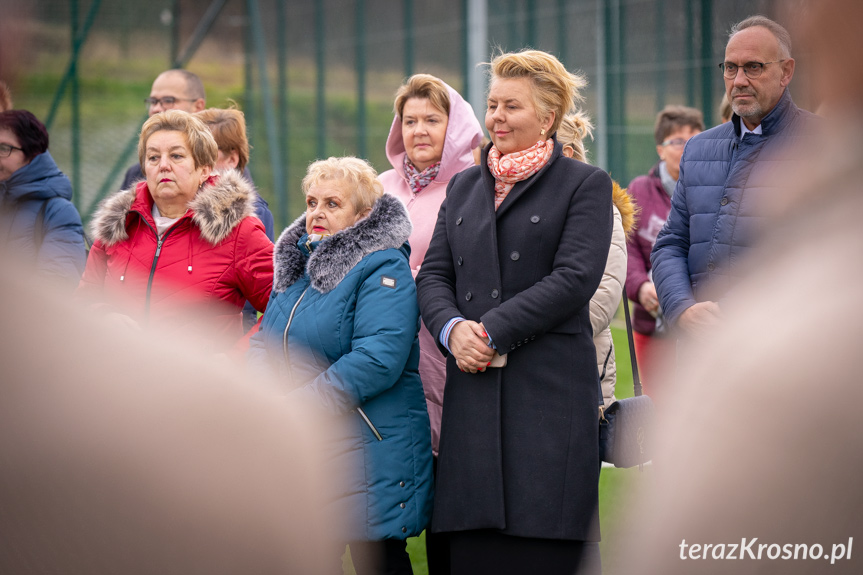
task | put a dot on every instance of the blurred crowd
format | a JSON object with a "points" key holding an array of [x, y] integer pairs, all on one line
{"points": [[429, 349]]}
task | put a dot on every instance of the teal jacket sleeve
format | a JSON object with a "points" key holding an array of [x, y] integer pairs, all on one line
{"points": [[385, 327]]}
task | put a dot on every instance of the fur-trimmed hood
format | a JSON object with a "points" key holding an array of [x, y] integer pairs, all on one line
{"points": [[387, 226], [221, 204]]}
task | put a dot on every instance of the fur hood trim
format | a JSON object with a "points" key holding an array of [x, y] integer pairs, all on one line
{"points": [[627, 208], [387, 226], [221, 204]]}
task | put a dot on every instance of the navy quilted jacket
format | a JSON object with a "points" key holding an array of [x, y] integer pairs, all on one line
{"points": [[58, 250], [719, 203]]}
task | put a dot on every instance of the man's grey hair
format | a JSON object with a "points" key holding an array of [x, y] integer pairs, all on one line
{"points": [[780, 33], [194, 86]]}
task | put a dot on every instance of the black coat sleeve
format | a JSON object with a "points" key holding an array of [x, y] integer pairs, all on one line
{"points": [[436, 279]]}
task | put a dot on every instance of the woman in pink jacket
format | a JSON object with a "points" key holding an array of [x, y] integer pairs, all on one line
{"points": [[432, 138]]}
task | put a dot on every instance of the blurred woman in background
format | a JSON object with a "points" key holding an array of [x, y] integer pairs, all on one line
{"points": [[604, 304], [652, 194], [38, 222], [432, 138], [183, 249], [228, 126]]}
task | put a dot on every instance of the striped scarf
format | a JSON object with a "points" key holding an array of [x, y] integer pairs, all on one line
{"points": [[511, 168], [419, 180]]}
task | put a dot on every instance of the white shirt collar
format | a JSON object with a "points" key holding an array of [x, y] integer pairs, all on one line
{"points": [[744, 130]]}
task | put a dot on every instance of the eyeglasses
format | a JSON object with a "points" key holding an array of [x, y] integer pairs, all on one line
{"points": [[751, 69], [6, 150], [676, 142], [167, 101]]}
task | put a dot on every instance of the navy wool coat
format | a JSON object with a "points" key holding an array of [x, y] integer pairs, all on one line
{"points": [[352, 344], [518, 450]]}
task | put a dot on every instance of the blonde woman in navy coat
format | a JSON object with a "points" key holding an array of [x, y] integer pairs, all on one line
{"points": [[519, 249]]}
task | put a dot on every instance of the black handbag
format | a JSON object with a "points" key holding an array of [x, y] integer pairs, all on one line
{"points": [[626, 426]]}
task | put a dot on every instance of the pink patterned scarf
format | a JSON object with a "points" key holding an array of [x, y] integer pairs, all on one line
{"points": [[511, 168], [419, 180]]}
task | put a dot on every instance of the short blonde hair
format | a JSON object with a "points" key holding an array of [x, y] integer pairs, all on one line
{"points": [[423, 86], [198, 137], [573, 130], [555, 89], [228, 126], [358, 175]]}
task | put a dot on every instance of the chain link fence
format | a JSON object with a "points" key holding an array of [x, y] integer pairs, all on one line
{"points": [[318, 78]]}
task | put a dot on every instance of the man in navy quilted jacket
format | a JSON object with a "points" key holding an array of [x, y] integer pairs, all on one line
{"points": [[727, 176]]}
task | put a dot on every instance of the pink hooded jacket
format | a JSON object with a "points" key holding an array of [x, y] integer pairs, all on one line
{"points": [[463, 134]]}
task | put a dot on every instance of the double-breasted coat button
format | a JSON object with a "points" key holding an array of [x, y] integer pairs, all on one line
{"points": [[534, 219], [401, 483], [458, 222], [711, 267], [723, 202], [402, 505], [514, 256], [460, 261], [495, 293], [467, 296], [404, 529]]}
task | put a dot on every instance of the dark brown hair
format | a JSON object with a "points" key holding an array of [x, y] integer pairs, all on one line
{"points": [[31, 133]]}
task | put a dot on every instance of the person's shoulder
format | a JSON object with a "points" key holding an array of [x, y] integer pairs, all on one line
{"points": [[711, 144], [578, 173], [59, 207], [723, 131], [808, 124], [643, 184]]}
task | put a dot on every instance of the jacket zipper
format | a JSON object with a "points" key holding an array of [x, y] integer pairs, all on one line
{"points": [[160, 241], [287, 356]]}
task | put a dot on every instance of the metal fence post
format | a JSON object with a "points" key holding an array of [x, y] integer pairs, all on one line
{"points": [[689, 70], [266, 101], [661, 56], [76, 112], [175, 31], [283, 199], [562, 31], [477, 51], [707, 69], [512, 37], [360, 24], [409, 38], [321, 101], [601, 87]]}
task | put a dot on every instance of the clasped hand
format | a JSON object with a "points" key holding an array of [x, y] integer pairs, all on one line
{"points": [[468, 343]]}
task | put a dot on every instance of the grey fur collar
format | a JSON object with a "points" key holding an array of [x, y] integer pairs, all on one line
{"points": [[218, 208], [387, 226]]}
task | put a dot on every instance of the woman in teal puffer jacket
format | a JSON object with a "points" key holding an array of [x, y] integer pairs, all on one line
{"points": [[341, 327]]}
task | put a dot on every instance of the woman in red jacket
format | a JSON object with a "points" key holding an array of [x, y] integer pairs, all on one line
{"points": [[182, 251]]}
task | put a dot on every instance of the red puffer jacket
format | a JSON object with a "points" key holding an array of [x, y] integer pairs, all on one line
{"points": [[197, 277]]}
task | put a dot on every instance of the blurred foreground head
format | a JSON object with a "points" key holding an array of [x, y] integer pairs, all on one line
{"points": [[764, 438], [177, 465]]}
